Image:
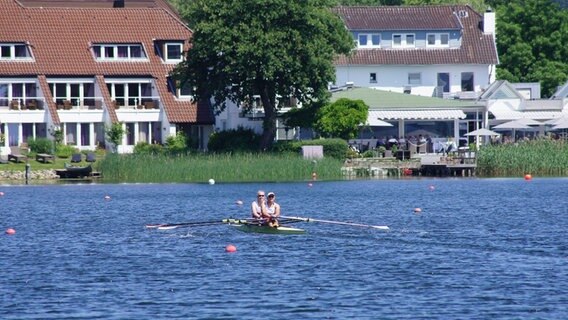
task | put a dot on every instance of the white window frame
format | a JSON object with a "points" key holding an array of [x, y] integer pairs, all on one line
{"points": [[166, 58], [404, 43], [413, 80], [67, 94], [369, 43], [102, 47], [12, 48], [438, 40], [112, 83]]}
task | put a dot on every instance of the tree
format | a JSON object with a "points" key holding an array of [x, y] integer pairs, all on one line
{"points": [[114, 134], [342, 118], [531, 38], [268, 48]]}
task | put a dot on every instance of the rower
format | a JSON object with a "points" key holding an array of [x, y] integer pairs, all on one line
{"points": [[258, 207], [272, 210]]}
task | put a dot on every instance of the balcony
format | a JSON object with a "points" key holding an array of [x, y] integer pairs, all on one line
{"points": [[18, 104], [141, 103]]}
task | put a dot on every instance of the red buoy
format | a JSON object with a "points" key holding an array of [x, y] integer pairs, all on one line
{"points": [[230, 248], [10, 231], [528, 177]]}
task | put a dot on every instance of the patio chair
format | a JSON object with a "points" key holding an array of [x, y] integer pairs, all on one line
{"points": [[76, 157], [16, 155], [91, 157]]}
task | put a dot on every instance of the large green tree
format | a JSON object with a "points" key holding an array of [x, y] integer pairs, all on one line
{"points": [[268, 48], [531, 41], [342, 118]]}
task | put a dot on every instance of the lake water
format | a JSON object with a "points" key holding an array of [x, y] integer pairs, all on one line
{"points": [[480, 249]]}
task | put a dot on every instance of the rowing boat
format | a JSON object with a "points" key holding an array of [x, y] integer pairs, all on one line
{"points": [[256, 228], [259, 226]]}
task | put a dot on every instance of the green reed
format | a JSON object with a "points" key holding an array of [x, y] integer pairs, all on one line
{"points": [[220, 167], [541, 157]]}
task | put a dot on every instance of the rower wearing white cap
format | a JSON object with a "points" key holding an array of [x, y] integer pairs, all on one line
{"points": [[272, 210]]}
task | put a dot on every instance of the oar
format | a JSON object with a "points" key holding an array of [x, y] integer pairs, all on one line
{"points": [[169, 226], [337, 222]]}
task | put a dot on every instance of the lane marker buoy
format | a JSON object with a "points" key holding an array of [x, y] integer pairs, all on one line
{"points": [[417, 210], [10, 231], [211, 181], [230, 248]]}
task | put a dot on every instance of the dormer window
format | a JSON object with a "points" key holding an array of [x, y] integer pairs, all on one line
{"points": [[369, 40], [15, 51], [173, 52], [119, 52], [437, 40], [183, 92], [403, 40]]}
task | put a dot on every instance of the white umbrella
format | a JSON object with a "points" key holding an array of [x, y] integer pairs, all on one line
{"points": [[482, 132], [562, 124], [511, 125], [556, 120], [529, 122]]}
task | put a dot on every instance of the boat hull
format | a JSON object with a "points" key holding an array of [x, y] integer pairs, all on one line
{"points": [[253, 228]]}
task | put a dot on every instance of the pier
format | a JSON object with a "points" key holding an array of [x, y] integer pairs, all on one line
{"points": [[459, 164]]}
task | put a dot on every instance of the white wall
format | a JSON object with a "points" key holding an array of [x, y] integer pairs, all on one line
{"points": [[395, 77], [230, 119]]}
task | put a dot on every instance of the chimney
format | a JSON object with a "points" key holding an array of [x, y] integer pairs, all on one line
{"points": [[118, 4], [489, 21]]}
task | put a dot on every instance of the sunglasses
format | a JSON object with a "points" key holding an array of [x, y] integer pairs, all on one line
{"points": [[271, 196], [260, 195]]}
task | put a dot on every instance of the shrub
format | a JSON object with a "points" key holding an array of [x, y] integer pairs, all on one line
{"points": [[40, 145], [146, 148], [177, 144], [334, 148], [64, 151], [240, 140]]}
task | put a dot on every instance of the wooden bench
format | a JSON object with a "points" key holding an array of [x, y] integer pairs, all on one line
{"points": [[17, 157], [44, 157]]}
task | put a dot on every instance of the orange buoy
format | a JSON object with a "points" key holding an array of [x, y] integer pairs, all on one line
{"points": [[417, 210], [10, 231], [528, 177], [230, 248]]}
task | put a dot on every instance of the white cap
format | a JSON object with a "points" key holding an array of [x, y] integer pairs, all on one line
{"points": [[270, 194]]}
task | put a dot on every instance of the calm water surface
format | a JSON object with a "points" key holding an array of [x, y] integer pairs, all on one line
{"points": [[480, 249]]}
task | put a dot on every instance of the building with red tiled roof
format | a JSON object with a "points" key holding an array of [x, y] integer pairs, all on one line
{"points": [[442, 51], [79, 66]]}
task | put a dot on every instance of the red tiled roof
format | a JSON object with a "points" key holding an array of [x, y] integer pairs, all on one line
{"points": [[60, 40], [476, 47]]}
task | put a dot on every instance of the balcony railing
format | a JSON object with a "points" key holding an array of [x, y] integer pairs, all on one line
{"points": [[79, 103], [27, 103], [140, 103]]}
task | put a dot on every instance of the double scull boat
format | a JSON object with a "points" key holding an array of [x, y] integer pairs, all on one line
{"points": [[260, 226]]}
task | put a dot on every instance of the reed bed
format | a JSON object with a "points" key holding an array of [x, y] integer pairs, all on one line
{"points": [[219, 167], [542, 157]]}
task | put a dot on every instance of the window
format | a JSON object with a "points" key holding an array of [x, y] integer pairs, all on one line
{"points": [[363, 40], [467, 81], [173, 52], [373, 77], [372, 40], [437, 40], [14, 51], [414, 78], [119, 52], [23, 92], [131, 93], [79, 93], [403, 40], [375, 40], [443, 82]]}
